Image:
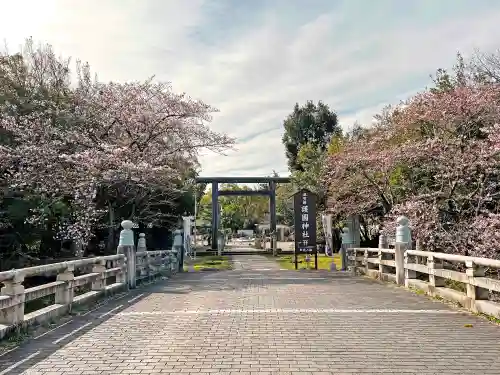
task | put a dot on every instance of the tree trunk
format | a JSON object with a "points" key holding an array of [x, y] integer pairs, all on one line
{"points": [[111, 229]]}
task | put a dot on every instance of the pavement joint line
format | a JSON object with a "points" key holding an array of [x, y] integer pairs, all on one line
{"points": [[284, 278], [94, 309], [107, 302], [290, 311], [70, 334], [110, 311], [9, 351], [135, 298], [251, 278], [53, 329], [19, 363]]}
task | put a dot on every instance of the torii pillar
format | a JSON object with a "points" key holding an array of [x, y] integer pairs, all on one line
{"points": [[215, 214]]}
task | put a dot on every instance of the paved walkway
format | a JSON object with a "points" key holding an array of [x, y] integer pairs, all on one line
{"points": [[265, 322], [254, 262]]}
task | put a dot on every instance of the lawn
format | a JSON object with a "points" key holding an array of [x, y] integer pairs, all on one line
{"points": [[288, 261], [208, 263]]}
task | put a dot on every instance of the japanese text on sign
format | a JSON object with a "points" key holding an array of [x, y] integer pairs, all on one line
{"points": [[305, 221]]}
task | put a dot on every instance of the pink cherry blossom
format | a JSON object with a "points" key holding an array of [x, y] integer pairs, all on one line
{"points": [[436, 160], [139, 132]]}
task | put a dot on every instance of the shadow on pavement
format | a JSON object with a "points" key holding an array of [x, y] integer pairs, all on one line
{"points": [[38, 348]]}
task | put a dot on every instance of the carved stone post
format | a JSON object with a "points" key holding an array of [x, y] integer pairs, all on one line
{"points": [[141, 243], [145, 261], [402, 243], [126, 246]]}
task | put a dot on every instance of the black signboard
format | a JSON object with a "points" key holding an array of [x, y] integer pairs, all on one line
{"points": [[304, 206]]}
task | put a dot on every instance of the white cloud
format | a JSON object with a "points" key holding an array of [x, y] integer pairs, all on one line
{"points": [[356, 57]]}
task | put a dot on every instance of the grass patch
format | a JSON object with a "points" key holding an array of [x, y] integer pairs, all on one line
{"points": [[209, 262], [288, 261], [492, 319], [420, 292]]}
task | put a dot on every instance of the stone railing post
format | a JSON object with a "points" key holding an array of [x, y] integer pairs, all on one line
{"points": [[366, 255], [402, 243], [141, 247], [383, 243], [409, 274], [121, 277], [420, 260], [141, 243], [164, 263], [126, 246], [168, 264], [174, 262], [64, 295], [434, 281], [474, 292], [99, 284], [152, 265], [13, 288]]}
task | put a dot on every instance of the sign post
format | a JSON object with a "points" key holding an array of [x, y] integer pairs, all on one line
{"points": [[304, 207]]}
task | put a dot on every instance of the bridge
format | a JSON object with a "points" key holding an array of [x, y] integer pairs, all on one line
{"points": [[390, 312]]}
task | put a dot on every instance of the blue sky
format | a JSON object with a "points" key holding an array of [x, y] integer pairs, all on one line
{"points": [[254, 59]]}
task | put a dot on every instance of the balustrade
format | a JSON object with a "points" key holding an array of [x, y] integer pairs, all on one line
{"points": [[99, 277], [457, 278]]}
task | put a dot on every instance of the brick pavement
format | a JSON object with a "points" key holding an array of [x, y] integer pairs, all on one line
{"points": [[253, 262], [268, 322]]}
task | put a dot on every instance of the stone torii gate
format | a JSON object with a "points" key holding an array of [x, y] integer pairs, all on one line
{"points": [[271, 192]]}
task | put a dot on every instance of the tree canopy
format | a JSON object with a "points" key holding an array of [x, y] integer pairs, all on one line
{"points": [[84, 155], [434, 158], [312, 125]]}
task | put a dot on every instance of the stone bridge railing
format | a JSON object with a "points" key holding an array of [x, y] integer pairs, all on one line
{"points": [[95, 277], [469, 281]]}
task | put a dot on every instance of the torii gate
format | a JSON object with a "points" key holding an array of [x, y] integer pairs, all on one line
{"points": [[271, 192]]}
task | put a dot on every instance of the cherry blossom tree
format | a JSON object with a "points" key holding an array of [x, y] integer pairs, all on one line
{"points": [[434, 159], [458, 155], [34, 80], [139, 135]]}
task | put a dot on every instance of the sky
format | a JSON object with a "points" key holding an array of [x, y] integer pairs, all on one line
{"points": [[254, 59]]}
